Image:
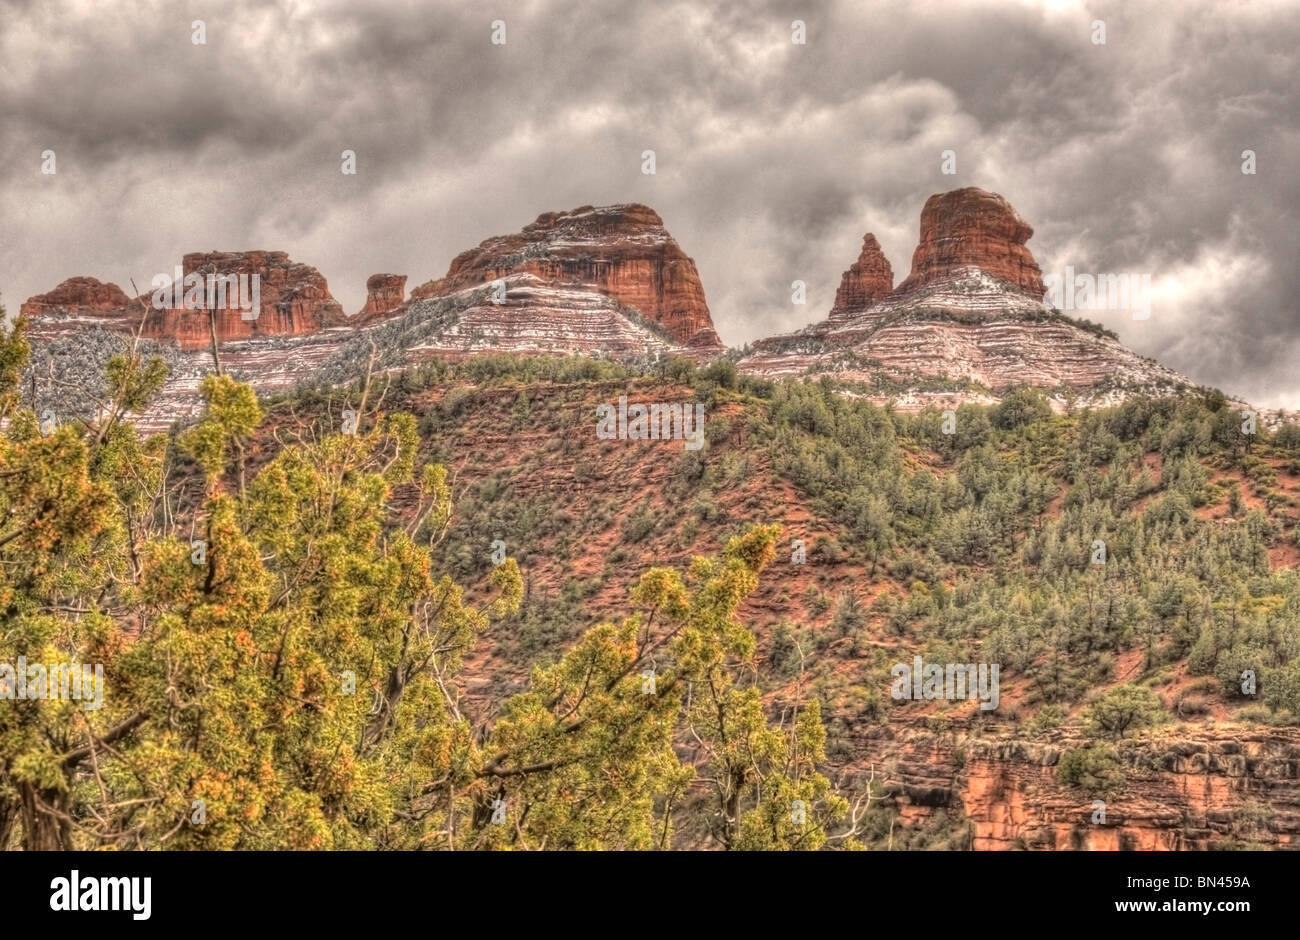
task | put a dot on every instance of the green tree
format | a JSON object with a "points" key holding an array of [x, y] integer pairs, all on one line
{"points": [[1125, 708], [1094, 768], [1020, 406]]}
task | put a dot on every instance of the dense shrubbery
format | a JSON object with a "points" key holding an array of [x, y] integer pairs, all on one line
{"points": [[68, 375], [1029, 591]]}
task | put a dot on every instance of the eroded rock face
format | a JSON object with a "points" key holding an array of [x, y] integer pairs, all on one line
{"points": [[384, 294], [1184, 791], [866, 281], [294, 300], [706, 340], [528, 315], [79, 297], [621, 251], [973, 227], [970, 329]]}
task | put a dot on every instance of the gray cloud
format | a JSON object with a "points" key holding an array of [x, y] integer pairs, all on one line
{"points": [[773, 159]]}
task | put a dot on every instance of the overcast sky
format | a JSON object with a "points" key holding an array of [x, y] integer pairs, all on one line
{"points": [[773, 159]]}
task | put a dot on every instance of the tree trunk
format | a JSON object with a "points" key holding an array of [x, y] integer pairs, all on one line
{"points": [[42, 831]]}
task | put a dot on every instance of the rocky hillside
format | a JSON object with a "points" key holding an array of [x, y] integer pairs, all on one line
{"points": [[968, 321], [951, 548], [79, 325]]}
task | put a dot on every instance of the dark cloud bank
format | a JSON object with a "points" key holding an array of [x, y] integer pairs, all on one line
{"points": [[773, 158]]}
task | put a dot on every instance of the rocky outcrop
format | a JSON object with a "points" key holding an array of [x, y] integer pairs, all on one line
{"points": [[969, 321], [79, 297], [971, 227], [1188, 789], [602, 282], [866, 281], [384, 294], [292, 299], [287, 299], [623, 252], [970, 335]]}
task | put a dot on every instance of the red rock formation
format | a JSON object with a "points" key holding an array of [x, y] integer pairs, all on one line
{"points": [[622, 251], [533, 316], [867, 280], [967, 227], [971, 311], [1183, 791], [81, 297], [384, 293], [294, 300]]}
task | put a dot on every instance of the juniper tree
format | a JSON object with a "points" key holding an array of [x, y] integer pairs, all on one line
{"points": [[284, 668]]}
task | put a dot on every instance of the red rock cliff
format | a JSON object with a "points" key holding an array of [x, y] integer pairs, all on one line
{"points": [[973, 227], [623, 251], [867, 280], [294, 300], [79, 296], [384, 293]]}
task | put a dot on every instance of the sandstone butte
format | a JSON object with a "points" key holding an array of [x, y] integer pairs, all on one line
{"points": [[295, 300], [960, 230], [622, 251], [972, 227], [80, 297], [384, 294]]}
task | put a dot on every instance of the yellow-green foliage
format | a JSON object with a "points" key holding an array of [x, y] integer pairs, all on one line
{"points": [[284, 670]]}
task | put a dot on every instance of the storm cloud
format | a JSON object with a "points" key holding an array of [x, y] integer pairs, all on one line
{"points": [[773, 158]]}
